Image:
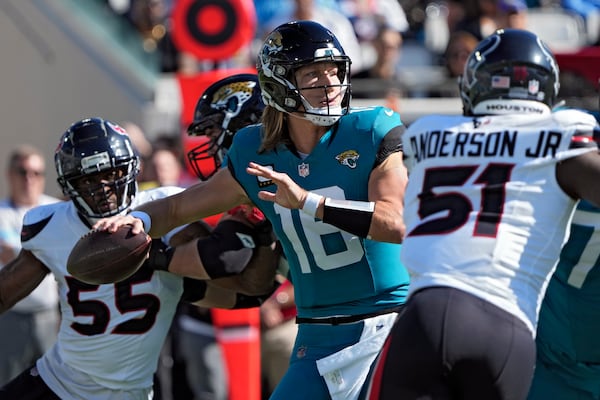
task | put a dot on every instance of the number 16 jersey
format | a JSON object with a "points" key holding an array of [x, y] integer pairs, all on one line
{"points": [[333, 271]]}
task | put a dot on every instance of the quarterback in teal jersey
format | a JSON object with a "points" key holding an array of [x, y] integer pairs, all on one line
{"points": [[331, 181]]}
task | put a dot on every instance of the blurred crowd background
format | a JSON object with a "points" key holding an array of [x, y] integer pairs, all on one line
{"points": [[124, 59], [133, 62]]}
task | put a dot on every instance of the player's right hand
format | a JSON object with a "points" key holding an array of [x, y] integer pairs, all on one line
{"points": [[111, 224]]}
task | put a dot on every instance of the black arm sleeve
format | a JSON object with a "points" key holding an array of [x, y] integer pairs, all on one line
{"points": [[230, 247], [193, 290], [391, 143], [160, 256], [243, 301]]}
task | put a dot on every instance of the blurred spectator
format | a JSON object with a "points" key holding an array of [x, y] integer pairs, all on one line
{"points": [[30, 327], [143, 146], [366, 16], [381, 77], [151, 19], [387, 44], [278, 333], [138, 138], [456, 13], [165, 166], [332, 19], [460, 46], [512, 14], [484, 17]]}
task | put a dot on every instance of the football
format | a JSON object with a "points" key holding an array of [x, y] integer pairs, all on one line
{"points": [[101, 257]]}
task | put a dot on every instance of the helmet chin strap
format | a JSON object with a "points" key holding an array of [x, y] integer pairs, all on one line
{"points": [[321, 116]]}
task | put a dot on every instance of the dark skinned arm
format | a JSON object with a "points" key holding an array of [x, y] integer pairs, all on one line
{"points": [[19, 278]]}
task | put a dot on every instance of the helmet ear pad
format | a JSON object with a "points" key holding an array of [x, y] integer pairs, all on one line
{"points": [[277, 95]]}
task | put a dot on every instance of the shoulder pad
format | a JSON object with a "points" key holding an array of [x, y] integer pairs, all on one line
{"points": [[29, 231], [583, 139]]}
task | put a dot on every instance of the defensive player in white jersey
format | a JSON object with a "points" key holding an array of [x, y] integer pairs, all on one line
{"points": [[331, 181], [110, 335], [488, 205]]}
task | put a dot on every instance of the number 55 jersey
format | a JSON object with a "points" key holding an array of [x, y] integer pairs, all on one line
{"points": [[484, 212], [110, 335]]}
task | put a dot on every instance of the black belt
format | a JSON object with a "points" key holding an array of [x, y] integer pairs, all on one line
{"points": [[346, 319]]}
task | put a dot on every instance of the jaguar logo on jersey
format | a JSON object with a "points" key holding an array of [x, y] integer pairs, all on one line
{"points": [[264, 182], [348, 158]]}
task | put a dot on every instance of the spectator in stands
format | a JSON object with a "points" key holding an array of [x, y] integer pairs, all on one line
{"points": [[512, 14], [151, 19], [460, 46], [30, 327], [165, 165], [365, 16], [381, 77], [141, 142], [484, 17]]}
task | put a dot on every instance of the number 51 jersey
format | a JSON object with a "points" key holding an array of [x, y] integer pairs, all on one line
{"points": [[484, 212]]}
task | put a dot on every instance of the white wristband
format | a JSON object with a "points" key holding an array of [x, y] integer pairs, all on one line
{"points": [[311, 204], [146, 220]]}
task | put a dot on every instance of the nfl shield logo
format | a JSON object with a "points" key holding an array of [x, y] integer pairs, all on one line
{"points": [[303, 170], [534, 86]]}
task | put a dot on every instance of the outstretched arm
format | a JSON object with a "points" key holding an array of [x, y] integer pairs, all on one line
{"points": [[220, 193], [238, 255], [202, 294], [19, 278]]}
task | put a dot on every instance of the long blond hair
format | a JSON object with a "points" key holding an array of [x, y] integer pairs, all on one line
{"points": [[274, 129]]}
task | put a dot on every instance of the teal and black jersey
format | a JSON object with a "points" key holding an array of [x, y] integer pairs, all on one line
{"points": [[570, 314], [333, 271]]}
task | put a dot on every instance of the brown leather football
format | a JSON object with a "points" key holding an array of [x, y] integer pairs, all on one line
{"points": [[101, 257]]}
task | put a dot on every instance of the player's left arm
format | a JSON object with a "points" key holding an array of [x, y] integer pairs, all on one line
{"points": [[238, 255], [258, 277], [386, 189], [19, 278], [206, 294]]}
